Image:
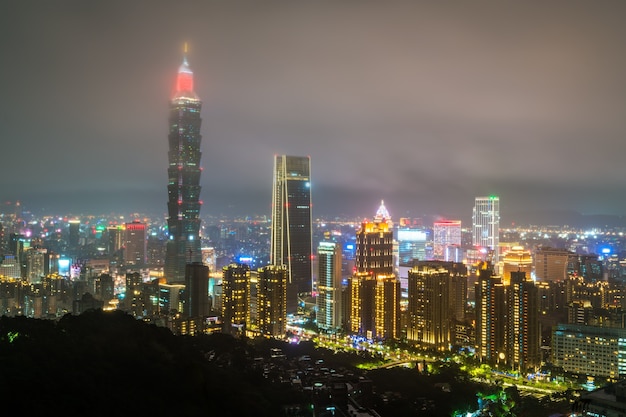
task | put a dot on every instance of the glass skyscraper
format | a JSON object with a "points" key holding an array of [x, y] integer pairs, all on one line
{"points": [[329, 302], [486, 224], [183, 188], [291, 243]]}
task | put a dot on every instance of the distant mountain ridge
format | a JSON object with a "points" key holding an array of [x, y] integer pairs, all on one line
{"points": [[562, 218]]}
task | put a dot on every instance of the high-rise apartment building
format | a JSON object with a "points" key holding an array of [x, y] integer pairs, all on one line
{"points": [[329, 286], [34, 261], [486, 225], [235, 297], [291, 241], [446, 233], [183, 189], [430, 317], [490, 317], [523, 331], [271, 300], [133, 297], [507, 320]]}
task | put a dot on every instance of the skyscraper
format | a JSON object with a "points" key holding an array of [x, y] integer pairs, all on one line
{"points": [[197, 303], [374, 245], [329, 286], [374, 289], [135, 243], [490, 317], [183, 189], [486, 225], [291, 243]]}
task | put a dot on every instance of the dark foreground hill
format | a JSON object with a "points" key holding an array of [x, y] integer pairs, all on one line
{"points": [[108, 363], [111, 364]]}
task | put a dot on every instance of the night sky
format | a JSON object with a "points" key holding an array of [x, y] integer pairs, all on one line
{"points": [[424, 105]]}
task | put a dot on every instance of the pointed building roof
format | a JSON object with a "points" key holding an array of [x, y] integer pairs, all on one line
{"points": [[382, 214]]}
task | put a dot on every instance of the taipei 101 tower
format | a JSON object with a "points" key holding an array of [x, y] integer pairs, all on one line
{"points": [[183, 172]]}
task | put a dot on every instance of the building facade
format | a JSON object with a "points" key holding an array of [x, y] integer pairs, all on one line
{"points": [[446, 233], [590, 350]]}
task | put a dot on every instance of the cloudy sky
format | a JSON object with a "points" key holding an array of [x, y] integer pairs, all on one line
{"points": [[424, 105]]}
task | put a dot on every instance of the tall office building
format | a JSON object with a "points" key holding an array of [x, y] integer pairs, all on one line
{"points": [[590, 350], [291, 242], [486, 225], [115, 242], [183, 189], [74, 233], [551, 264], [517, 259], [374, 247], [374, 289], [329, 286], [135, 243], [197, 303], [446, 233]]}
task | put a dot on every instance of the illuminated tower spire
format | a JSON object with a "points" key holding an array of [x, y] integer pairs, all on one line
{"points": [[184, 80], [183, 189]]}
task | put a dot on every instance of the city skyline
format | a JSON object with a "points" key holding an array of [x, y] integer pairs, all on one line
{"points": [[422, 105]]}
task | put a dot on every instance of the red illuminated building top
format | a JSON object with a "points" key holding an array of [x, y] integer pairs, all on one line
{"points": [[184, 81]]}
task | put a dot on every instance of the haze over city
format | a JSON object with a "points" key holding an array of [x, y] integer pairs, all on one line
{"points": [[424, 105]]}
